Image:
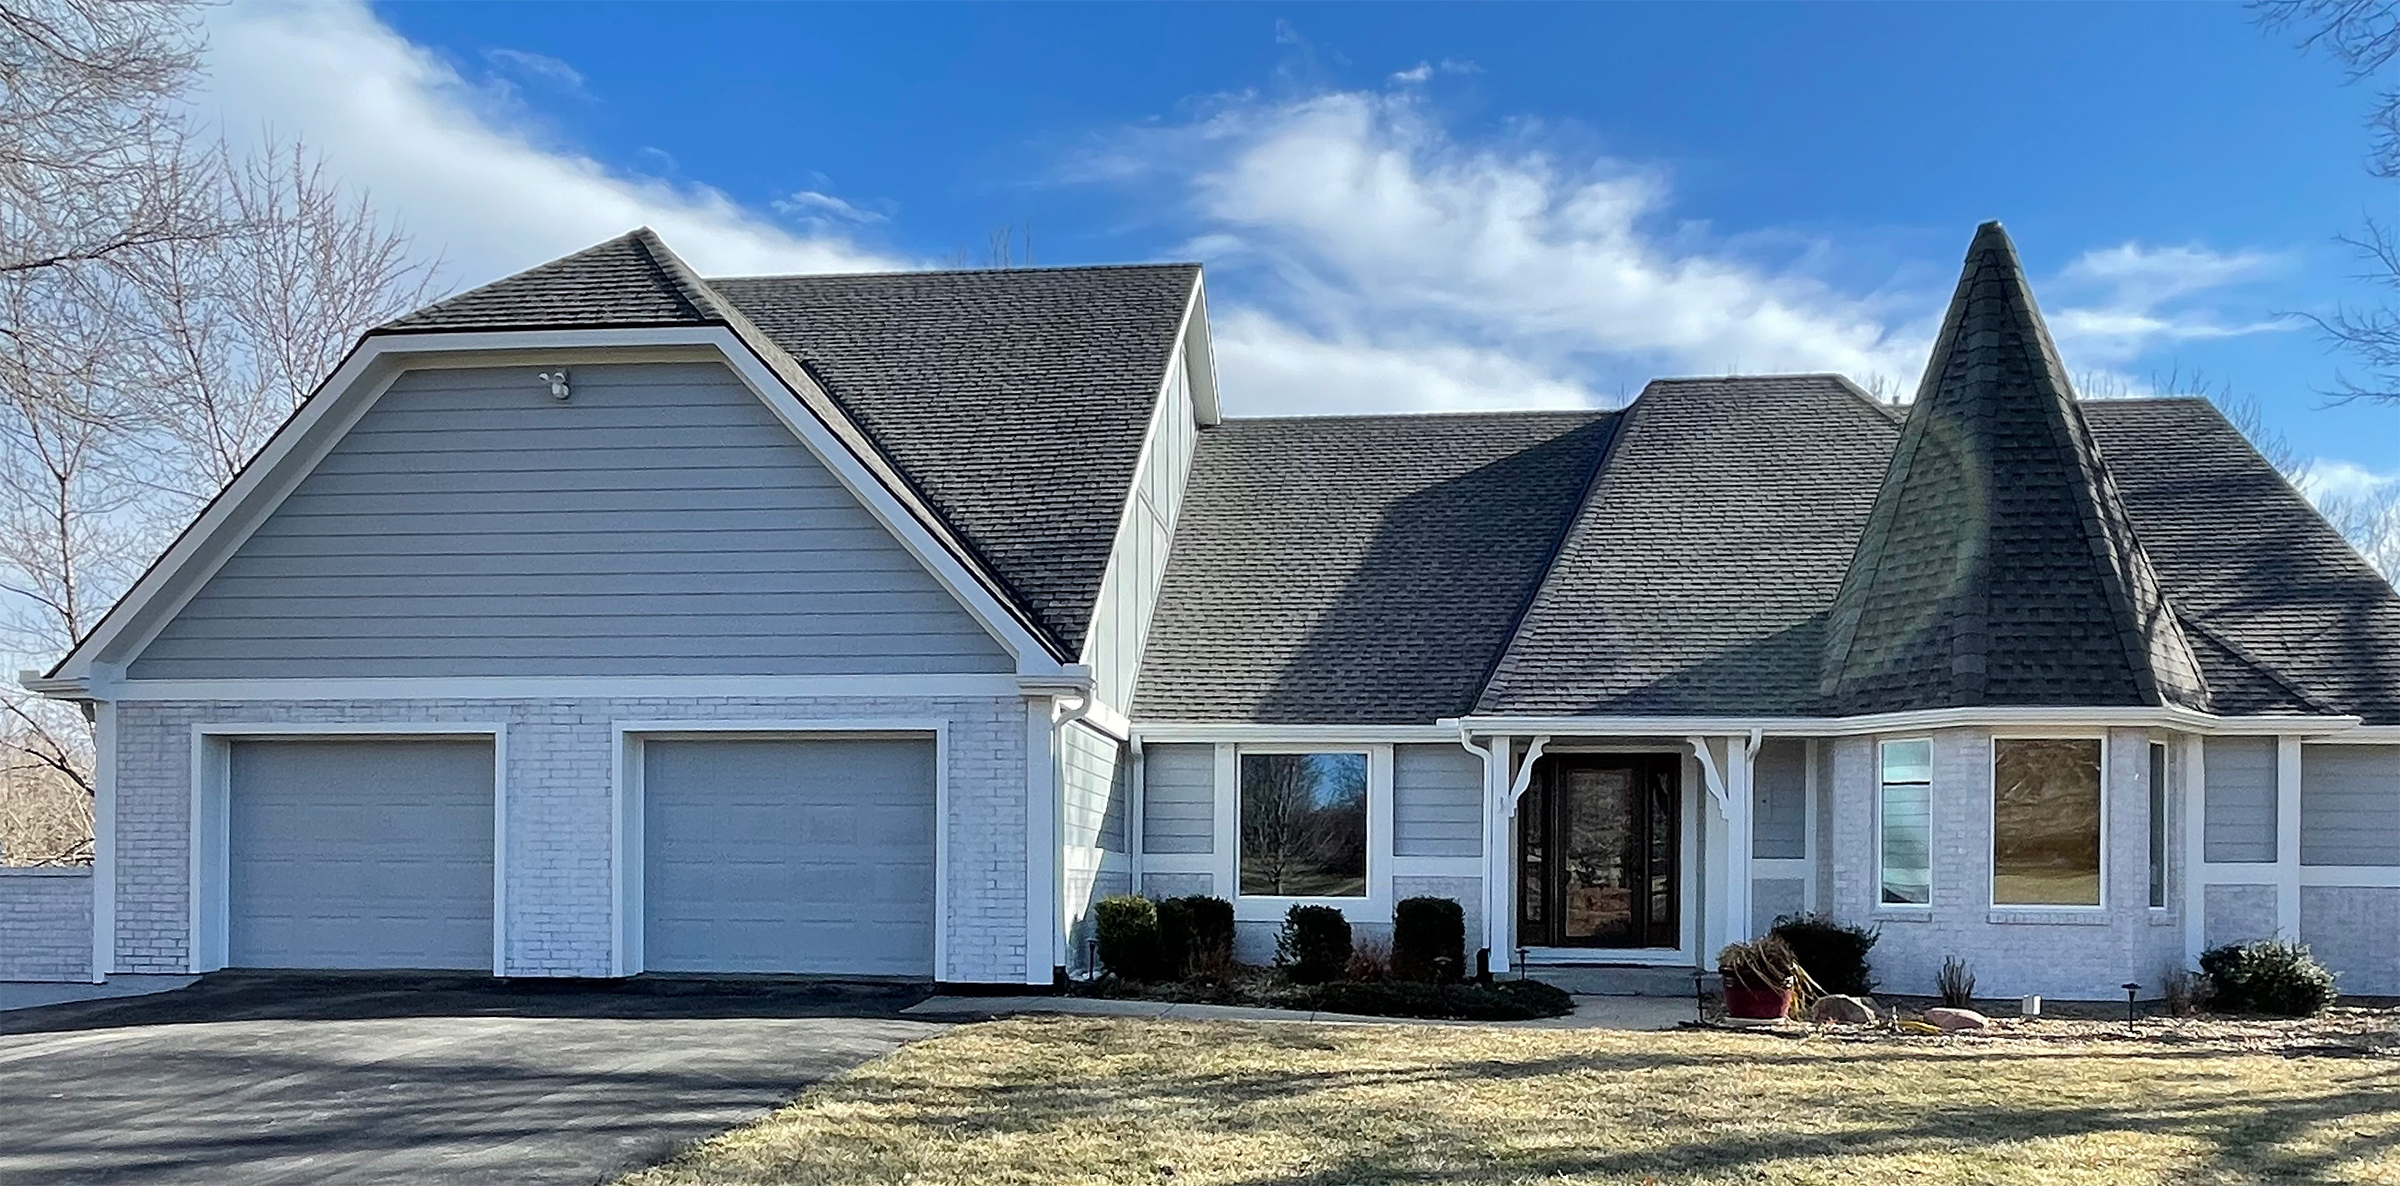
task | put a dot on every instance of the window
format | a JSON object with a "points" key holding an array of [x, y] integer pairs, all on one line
{"points": [[2045, 822], [1304, 825], [1904, 824], [2158, 826]]}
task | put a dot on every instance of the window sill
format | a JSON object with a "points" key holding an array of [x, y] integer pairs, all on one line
{"points": [[2072, 916], [1902, 914], [2160, 916]]}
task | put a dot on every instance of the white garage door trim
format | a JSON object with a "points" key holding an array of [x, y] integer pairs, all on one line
{"points": [[212, 788], [625, 779]]}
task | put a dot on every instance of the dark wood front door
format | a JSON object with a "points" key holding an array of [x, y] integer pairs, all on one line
{"points": [[1597, 843]]}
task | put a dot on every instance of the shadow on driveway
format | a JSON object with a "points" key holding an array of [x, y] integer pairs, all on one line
{"points": [[257, 1077]]}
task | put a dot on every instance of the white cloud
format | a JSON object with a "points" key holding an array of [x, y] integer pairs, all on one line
{"points": [[2143, 299], [2332, 479], [400, 123], [1383, 264], [540, 67], [812, 206]]}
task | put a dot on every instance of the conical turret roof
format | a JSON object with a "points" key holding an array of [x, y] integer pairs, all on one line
{"points": [[1998, 566]]}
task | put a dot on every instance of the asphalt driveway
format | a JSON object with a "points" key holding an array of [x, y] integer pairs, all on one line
{"points": [[261, 1079]]}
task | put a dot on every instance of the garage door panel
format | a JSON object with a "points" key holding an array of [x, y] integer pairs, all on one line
{"points": [[789, 855], [360, 854]]}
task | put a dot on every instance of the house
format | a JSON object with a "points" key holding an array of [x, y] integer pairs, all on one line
{"points": [[607, 619]]}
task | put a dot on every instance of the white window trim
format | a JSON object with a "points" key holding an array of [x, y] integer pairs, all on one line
{"points": [[2161, 835], [1991, 854], [1272, 907], [1904, 909], [209, 941], [625, 953]]}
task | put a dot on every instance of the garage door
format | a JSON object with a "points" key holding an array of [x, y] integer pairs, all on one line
{"points": [[359, 854], [773, 855]]}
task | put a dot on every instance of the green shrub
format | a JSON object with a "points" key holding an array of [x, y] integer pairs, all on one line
{"points": [[1507, 1000], [2269, 976], [1429, 939], [1834, 954], [1314, 945], [1195, 936], [1128, 932]]}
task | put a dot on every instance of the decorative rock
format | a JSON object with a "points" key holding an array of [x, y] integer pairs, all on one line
{"points": [[1954, 1021], [1842, 1010]]}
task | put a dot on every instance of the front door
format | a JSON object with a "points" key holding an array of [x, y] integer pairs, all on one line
{"points": [[1598, 836]]}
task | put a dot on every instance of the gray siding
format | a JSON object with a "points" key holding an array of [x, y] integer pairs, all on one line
{"points": [[1774, 897], [2353, 931], [2240, 825], [1179, 798], [1779, 808], [2350, 805], [662, 522], [1129, 591], [1437, 801], [2236, 914], [1096, 789]]}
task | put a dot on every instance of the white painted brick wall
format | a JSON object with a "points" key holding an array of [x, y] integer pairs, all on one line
{"points": [[45, 924], [2084, 956], [559, 815]]}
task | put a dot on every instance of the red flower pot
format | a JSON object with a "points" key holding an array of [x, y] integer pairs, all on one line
{"points": [[1749, 1003]]}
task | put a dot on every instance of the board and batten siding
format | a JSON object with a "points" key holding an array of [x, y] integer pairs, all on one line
{"points": [[1138, 562], [1096, 790], [1179, 798], [2239, 799], [660, 522], [2350, 805], [1437, 801]]}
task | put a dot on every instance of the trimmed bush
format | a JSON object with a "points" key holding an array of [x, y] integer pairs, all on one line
{"points": [[1195, 936], [1314, 945], [1507, 1000], [1426, 932], [1128, 930], [1834, 954], [1209, 935], [2269, 976]]}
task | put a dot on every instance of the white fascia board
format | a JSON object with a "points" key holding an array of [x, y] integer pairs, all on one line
{"points": [[571, 687], [379, 360], [1203, 356], [1293, 734], [2136, 717]]}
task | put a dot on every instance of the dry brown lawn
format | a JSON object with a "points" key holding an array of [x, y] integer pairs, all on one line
{"points": [[1083, 1100]]}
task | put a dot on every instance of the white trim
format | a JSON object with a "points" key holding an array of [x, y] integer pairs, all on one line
{"points": [[1778, 868], [1876, 904], [2350, 876], [2316, 727], [1377, 892], [1991, 866], [1809, 840], [104, 841], [1294, 734], [2195, 840], [2287, 837], [369, 372], [572, 687], [626, 842], [1043, 884], [208, 942]]}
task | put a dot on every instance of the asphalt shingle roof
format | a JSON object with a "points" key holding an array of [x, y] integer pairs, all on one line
{"points": [[1006, 407], [2284, 615], [1998, 566], [1015, 401], [1697, 576], [1358, 569]]}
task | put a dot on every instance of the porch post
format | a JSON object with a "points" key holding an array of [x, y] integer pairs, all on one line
{"points": [[1741, 760], [1499, 901]]}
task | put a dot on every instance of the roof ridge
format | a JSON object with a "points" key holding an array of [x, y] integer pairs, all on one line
{"points": [[885, 273], [1430, 414]]}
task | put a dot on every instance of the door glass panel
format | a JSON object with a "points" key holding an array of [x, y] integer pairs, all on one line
{"points": [[1603, 856], [1662, 930]]}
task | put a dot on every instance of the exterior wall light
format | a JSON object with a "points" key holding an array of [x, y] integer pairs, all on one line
{"points": [[558, 384]]}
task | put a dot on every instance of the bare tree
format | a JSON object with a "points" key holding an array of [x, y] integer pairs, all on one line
{"points": [[165, 303], [2363, 36]]}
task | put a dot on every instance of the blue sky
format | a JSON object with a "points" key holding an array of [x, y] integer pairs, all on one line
{"points": [[1410, 207]]}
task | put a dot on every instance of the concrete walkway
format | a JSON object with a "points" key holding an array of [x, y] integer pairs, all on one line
{"points": [[1591, 1012]]}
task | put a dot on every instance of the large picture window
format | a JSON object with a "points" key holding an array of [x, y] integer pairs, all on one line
{"points": [[1904, 824], [1304, 825], [2045, 822]]}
